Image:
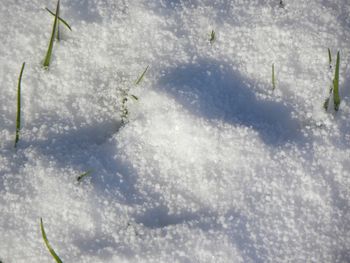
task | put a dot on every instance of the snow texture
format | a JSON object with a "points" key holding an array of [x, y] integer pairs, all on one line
{"points": [[212, 165]]}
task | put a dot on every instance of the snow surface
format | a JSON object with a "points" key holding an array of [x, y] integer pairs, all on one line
{"points": [[212, 166]]}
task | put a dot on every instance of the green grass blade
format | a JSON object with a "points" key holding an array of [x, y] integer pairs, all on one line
{"points": [[60, 19], [80, 177], [52, 252], [336, 96], [273, 77], [212, 37], [18, 118], [141, 77], [134, 97], [329, 58], [49, 50], [58, 25]]}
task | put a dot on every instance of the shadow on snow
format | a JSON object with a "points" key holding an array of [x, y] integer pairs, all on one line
{"points": [[212, 90]]}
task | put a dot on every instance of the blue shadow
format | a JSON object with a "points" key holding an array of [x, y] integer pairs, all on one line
{"points": [[212, 90]]}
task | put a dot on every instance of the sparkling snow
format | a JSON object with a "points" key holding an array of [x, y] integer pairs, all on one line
{"points": [[212, 166]]}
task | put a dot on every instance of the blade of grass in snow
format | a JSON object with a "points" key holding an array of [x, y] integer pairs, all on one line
{"points": [[273, 77], [326, 102], [60, 19], [49, 50], [329, 58], [336, 96], [18, 119], [80, 177], [124, 112], [52, 252], [212, 37], [58, 25], [141, 77], [134, 97]]}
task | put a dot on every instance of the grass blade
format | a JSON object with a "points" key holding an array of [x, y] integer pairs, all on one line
{"points": [[52, 252], [329, 58], [80, 177], [134, 97], [60, 19], [141, 77], [49, 50], [212, 37], [273, 77], [58, 24], [18, 118], [336, 96]]}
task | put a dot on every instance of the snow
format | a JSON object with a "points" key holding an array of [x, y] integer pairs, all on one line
{"points": [[212, 166]]}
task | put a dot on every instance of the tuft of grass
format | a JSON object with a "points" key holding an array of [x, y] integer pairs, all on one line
{"points": [[54, 28], [212, 37], [141, 77], [273, 77], [18, 118], [329, 58], [336, 97], [124, 112], [52, 252], [80, 177], [60, 19]]}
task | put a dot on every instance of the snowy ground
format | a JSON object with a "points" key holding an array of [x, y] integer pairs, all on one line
{"points": [[212, 166]]}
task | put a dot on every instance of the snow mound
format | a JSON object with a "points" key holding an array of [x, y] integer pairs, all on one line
{"points": [[212, 165]]}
